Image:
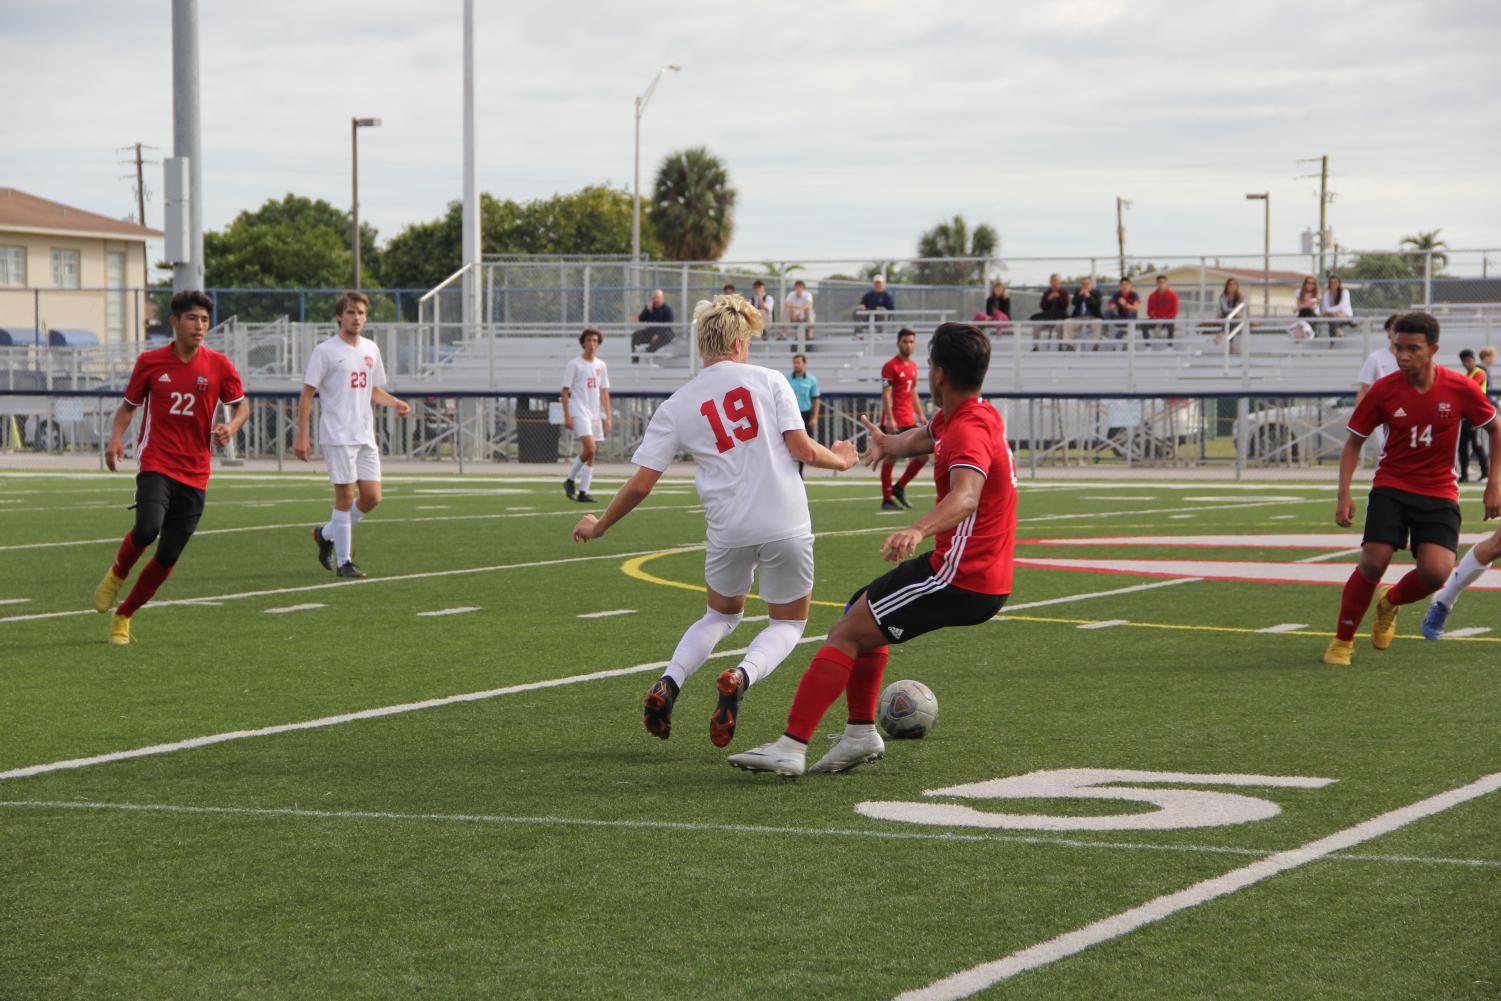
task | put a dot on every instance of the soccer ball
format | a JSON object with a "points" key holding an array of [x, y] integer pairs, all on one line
{"points": [[908, 710]]}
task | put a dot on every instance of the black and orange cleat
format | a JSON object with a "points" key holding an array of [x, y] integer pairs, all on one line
{"points": [[727, 712], [659, 699]]}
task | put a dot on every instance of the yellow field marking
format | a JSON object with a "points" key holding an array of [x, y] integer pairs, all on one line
{"points": [[632, 568]]}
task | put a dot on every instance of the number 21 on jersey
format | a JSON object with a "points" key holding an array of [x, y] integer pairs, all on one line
{"points": [[740, 411]]}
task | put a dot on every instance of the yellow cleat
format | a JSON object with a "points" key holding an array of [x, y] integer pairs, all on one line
{"points": [[119, 630], [1339, 652], [1385, 626], [107, 591]]}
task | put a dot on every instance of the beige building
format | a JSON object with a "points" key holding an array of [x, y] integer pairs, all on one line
{"points": [[1281, 287], [66, 269]]}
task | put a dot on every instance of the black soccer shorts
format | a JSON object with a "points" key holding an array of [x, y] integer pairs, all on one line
{"points": [[1394, 516], [911, 600]]}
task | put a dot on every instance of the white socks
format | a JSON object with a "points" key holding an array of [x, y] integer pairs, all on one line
{"points": [[770, 647], [585, 477], [698, 642], [1464, 575], [338, 531], [573, 471], [356, 515]]}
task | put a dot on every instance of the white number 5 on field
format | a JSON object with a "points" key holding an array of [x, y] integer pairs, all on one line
{"points": [[1176, 808]]}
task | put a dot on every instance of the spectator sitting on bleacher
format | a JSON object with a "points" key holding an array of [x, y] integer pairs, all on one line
{"points": [[727, 290], [998, 306], [1336, 302], [1086, 309], [1054, 302], [762, 302], [1162, 305], [798, 307], [1125, 304], [655, 337], [876, 302]]}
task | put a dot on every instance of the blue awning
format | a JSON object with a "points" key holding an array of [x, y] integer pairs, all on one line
{"points": [[58, 337], [17, 337]]}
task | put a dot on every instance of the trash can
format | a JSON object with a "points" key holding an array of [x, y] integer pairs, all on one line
{"points": [[536, 439]]}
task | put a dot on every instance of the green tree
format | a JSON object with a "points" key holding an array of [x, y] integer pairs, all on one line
{"points": [[953, 238], [1384, 281], [592, 220], [693, 206], [290, 243], [1427, 240]]}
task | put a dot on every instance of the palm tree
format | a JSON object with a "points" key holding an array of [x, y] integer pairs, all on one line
{"points": [[952, 238], [1427, 241], [693, 206]]}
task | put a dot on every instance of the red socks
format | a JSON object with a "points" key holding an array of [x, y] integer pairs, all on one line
{"points": [[825, 678], [864, 688], [886, 471], [151, 578], [1353, 604], [1409, 589], [127, 556], [913, 468]]}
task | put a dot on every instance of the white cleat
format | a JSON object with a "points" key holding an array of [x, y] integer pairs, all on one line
{"points": [[783, 756], [858, 745]]}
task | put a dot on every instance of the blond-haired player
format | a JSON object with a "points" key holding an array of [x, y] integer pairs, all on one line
{"points": [[346, 373], [741, 424]]}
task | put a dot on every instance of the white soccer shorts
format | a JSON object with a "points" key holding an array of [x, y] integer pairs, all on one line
{"points": [[786, 569], [587, 424], [348, 463]]}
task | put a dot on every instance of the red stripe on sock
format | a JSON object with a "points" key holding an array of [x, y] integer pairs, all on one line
{"points": [[127, 556], [886, 470], [913, 468], [1409, 589], [864, 688], [822, 683], [151, 578], [1353, 604]]}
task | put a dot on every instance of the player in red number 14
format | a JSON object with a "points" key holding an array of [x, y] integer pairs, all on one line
{"points": [[742, 426], [1414, 498]]}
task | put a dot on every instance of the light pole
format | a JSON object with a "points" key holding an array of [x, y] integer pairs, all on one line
{"points": [[1266, 250], [641, 101], [355, 124]]}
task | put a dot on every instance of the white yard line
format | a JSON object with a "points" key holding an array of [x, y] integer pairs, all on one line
{"points": [[460, 610], [1285, 627], [979, 978], [14, 601], [606, 615], [1173, 582], [1105, 624], [294, 608], [363, 714], [697, 827], [1470, 631]]}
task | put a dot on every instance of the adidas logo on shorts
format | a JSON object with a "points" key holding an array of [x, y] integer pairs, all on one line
{"points": [[895, 632]]}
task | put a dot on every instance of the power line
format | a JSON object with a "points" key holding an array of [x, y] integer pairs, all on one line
{"points": [[141, 193]]}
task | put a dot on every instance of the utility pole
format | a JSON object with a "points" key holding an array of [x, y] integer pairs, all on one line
{"points": [[1325, 197], [1121, 204], [140, 179]]}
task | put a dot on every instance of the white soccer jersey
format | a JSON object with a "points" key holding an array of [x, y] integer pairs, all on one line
{"points": [[345, 375], [1379, 363], [730, 418], [584, 380]]}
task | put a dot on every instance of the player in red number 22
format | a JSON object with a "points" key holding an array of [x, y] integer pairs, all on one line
{"points": [[754, 504]]}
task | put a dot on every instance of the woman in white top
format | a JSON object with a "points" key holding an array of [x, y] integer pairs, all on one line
{"points": [[1336, 302]]}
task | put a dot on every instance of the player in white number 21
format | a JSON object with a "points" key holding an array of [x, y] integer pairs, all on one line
{"points": [[754, 503]]}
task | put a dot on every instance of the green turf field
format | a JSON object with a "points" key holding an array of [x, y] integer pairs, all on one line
{"points": [[533, 841]]}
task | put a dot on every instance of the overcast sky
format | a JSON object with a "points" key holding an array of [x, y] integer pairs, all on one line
{"points": [[848, 127]]}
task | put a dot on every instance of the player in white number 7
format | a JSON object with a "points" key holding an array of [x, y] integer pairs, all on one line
{"points": [[754, 503]]}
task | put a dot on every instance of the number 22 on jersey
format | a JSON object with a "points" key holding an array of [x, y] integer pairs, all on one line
{"points": [[738, 408]]}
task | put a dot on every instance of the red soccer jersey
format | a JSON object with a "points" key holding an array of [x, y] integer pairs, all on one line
{"points": [[1422, 429], [977, 554], [901, 376], [180, 399]]}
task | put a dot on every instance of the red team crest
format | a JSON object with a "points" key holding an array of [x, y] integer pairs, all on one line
{"points": [[369, 361]]}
